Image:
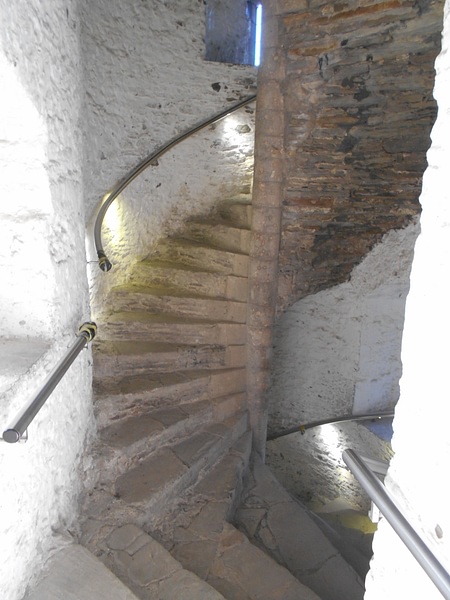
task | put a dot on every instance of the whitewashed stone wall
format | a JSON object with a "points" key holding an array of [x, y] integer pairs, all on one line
{"points": [[418, 477], [44, 292], [337, 353], [146, 81]]}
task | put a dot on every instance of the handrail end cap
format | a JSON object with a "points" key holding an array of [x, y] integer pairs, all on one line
{"points": [[11, 436]]}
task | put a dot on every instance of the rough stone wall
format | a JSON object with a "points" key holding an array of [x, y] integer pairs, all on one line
{"points": [[418, 475], [146, 81], [358, 112], [337, 352], [44, 292]]}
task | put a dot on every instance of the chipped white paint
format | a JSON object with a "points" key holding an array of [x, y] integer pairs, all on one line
{"points": [[418, 477]]}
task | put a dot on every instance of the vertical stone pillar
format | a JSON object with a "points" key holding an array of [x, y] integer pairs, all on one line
{"points": [[266, 223]]}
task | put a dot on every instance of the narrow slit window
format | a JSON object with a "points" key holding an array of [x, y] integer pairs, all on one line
{"points": [[258, 32]]}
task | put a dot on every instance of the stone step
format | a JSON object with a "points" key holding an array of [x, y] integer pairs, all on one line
{"points": [[196, 254], [112, 358], [218, 235], [158, 481], [118, 398], [190, 280], [201, 538], [278, 524], [212, 500], [148, 568], [239, 570], [73, 573], [176, 302], [149, 490], [353, 543], [123, 443], [145, 326]]}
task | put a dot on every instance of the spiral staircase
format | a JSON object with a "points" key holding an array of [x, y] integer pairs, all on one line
{"points": [[178, 509]]}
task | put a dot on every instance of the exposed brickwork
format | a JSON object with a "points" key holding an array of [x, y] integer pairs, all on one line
{"points": [[358, 109]]}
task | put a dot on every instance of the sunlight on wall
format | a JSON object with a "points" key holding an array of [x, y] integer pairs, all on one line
{"points": [[237, 134], [113, 222], [25, 208], [330, 439]]}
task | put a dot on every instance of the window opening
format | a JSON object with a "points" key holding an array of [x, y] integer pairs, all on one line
{"points": [[258, 35], [233, 31]]}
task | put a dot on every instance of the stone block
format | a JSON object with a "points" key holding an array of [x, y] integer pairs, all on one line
{"points": [[270, 96], [267, 194], [151, 563], [151, 476], [269, 170], [250, 519], [197, 556], [195, 448], [248, 568], [123, 537], [266, 220], [187, 586], [265, 246]]}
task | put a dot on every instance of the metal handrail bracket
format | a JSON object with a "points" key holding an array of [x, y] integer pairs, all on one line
{"points": [[103, 261], [17, 429], [379, 495]]}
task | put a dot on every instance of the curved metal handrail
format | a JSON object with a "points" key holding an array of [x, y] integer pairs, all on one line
{"points": [[16, 430], [413, 541], [103, 262], [329, 421]]}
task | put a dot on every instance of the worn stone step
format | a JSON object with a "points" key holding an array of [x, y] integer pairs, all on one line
{"points": [[159, 480], [212, 500], [128, 357], [122, 443], [194, 253], [227, 561], [74, 573], [148, 568], [191, 280], [149, 490], [118, 398], [145, 326], [279, 525], [176, 302], [218, 235], [200, 536]]}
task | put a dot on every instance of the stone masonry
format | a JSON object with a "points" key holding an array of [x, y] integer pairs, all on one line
{"points": [[358, 112]]}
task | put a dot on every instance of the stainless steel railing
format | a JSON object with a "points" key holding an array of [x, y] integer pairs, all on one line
{"points": [[379, 495], [103, 261], [18, 427], [330, 421]]}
